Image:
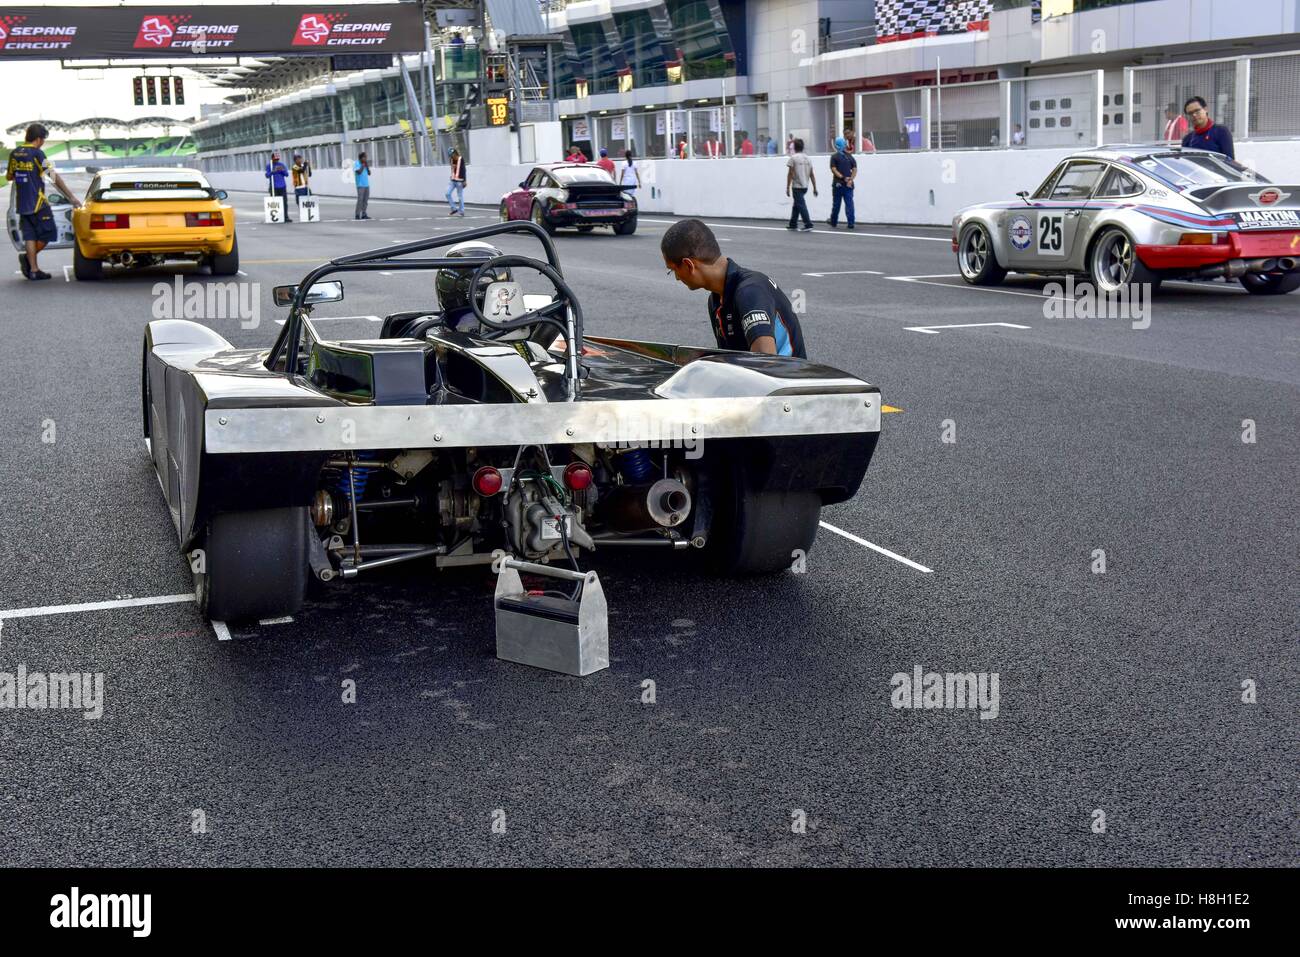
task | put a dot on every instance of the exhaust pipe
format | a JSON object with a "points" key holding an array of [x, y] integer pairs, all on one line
{"points": [[1230, 270], [1287, 263], [628, 508], [126, 258]]}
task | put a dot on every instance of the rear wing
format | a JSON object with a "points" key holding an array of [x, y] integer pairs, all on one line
{"points": [[1249, 196]]}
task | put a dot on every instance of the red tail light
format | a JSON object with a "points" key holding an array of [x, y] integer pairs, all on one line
{"points": [[577, 476], [203, 219], [487, 481], [110, 221]]}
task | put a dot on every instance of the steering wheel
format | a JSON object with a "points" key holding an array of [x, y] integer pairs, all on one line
{"points": [[552, 314]]}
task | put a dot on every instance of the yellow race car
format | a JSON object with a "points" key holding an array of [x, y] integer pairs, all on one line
{"points": [[140, 217]]}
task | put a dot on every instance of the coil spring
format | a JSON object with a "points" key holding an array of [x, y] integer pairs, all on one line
{"points": [[635, 465], [360, 476]]}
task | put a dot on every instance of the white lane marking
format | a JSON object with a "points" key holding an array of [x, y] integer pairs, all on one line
{"points": [[43, 610], [384, 273], [925, 281], [223, 633], [876, 548], [934, 330], [928, 239], [846, 272], [67, 277], [240, 272], [287, 619]]}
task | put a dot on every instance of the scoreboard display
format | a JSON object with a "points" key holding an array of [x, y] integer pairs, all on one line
{"points": [[498, 111]]}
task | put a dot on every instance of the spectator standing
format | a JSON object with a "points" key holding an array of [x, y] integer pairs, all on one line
{"points": [[630, 177], [456, 185], [798, 178], [712, 148], [301, 171], [771, 146], [1206, 134], [746, 144], [361, 174], [1017, 136], [867, 145], [575, 155], [682, 149], [605, 162], [1175, 124], [844, 169], [789, 145], [277, 177], [26, 170]]}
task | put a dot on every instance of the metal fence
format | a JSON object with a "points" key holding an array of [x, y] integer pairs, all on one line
{"points": [[1257, 97]]}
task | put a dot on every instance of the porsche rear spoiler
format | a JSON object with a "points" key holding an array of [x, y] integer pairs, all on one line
{"points": [[1236, 197]]}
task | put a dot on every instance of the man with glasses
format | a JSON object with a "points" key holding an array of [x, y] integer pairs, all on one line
{"points": [[1206, 134]]}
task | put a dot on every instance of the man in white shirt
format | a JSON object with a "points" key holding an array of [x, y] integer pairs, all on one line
{"points": [[798, 178]]}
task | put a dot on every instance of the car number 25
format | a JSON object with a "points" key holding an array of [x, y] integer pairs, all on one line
{"points": [[1051, 234]]}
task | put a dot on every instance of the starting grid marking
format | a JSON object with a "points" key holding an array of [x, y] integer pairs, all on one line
{"points": [[929, 281], [220, 628]]}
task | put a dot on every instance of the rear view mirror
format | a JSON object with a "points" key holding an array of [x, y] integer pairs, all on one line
{"points": [[1024, 194], [331, 291], [523, 184], [222, 194]]}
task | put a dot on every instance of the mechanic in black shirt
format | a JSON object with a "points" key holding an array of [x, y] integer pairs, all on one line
{"points": [[748, 311], [27, 168]]}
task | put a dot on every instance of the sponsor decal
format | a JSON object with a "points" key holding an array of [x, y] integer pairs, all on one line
{"points": [[754, 318], [1269, 197], [176, 31], [1269, 219], [336, 30], [16, 35], [1020, 232], [1153, 191]]}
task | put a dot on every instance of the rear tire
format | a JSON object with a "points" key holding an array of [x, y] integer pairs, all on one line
{"points": [[757, 532], [539, 217], [254, 564], [1271, 284], [627, 227], [83, 267], [976, 261], [228, 264], [1113, 264]]}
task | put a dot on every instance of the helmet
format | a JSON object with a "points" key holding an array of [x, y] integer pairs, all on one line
{"points": [[453, 284]]}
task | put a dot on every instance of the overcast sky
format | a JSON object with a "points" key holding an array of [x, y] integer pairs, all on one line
{"points": [[42, 90]]}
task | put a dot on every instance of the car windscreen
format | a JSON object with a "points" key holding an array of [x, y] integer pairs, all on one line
{"points": [[1192, 170], [170, 189], [581, 174]]}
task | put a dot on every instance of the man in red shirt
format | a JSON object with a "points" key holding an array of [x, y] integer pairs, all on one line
{"points": [[746, 145], [575, 155], [1175, 124], [605, 162]]}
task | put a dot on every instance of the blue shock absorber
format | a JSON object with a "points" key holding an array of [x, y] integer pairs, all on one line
{"points": [[635, 465], [360, 475]]}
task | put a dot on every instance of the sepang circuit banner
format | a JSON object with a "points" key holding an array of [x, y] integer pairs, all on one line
{"points": [[209, 30]]}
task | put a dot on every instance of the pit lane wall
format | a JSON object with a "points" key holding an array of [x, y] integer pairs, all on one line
{"points": [[920, 188]]}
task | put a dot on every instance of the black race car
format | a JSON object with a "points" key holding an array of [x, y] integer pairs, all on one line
{"points": [[490, 423]]}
